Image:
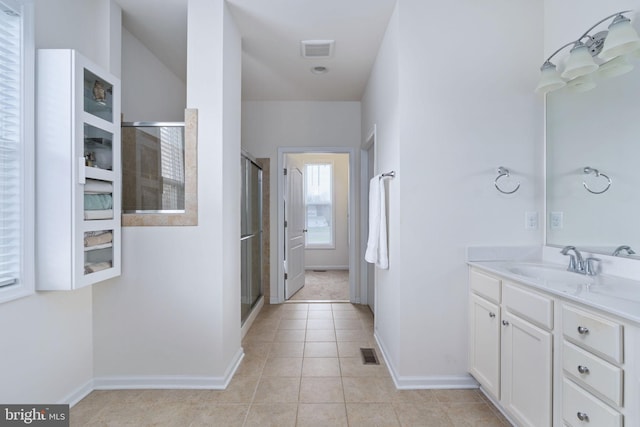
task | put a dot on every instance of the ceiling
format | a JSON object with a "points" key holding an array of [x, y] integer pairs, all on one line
{"points": [[272, 67]]}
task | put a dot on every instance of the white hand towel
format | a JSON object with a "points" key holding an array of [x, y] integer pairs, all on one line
{"points": [[377, 243]]}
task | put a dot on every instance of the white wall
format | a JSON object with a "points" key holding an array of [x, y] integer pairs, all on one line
{"points": [[150, 91], [381, 107], [173, 317], [337, 257], [47, 350], [267, 125], [462, 112]]}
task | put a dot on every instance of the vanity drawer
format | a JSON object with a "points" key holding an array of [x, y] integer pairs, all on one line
{"points": [[591, 371], [588, 330], [485, 285], [579, 408], [532, 306]]}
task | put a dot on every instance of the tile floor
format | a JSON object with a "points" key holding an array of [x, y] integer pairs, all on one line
{"points": [[302, 367]]}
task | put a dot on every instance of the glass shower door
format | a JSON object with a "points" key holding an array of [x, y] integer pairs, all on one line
{"points": [[251, 236]]}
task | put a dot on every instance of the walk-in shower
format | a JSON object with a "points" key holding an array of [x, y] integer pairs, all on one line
{"points": [[251, 234]]}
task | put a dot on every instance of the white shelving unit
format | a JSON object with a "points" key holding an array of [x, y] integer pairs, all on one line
{"points": [[78, 172]]}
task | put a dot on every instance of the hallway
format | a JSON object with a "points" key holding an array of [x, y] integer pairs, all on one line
{"points": [[302, 368]]}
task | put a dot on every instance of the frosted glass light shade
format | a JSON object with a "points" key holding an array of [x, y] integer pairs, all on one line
{"points": [[622, 39], [615, 67], [580, 62], [549, 79], [581, 84]]}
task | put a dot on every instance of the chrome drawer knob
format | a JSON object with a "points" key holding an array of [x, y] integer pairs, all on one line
{"points": [[583, 369], [582, 330], [582, 416], [492, 315], [505, 323]]}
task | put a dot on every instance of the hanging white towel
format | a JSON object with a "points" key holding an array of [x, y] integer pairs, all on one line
{"points": [[377, 244]]}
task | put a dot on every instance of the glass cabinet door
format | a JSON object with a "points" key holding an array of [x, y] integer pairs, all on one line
{"points": [[98, 148], [98, 96], [98, 250]]}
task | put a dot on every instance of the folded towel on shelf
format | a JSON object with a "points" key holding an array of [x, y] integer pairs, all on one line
{"points": [[96, 247], [377, 243], [93, 238], [94, 186], [99, 214], [94, 202], [96, 266]]}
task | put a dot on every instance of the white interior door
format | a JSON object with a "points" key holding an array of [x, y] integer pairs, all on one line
{"points": [[294, 229]]}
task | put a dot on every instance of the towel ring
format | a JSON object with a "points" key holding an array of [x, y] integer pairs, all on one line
{"points": [[502, 171], [588, 170]]}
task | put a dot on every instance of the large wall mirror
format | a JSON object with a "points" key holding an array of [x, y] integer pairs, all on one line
{"points": [[595, 209]]}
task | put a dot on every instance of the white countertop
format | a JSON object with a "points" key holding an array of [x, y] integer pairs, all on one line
{"points": [[615, 295]]}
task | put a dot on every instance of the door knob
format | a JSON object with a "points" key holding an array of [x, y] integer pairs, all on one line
{"points": [[583, 369], [582, 330], [505, 323], [582, 416], [492, 315]]}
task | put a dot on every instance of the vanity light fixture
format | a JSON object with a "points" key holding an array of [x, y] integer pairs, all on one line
{"points": [[607, 51]]}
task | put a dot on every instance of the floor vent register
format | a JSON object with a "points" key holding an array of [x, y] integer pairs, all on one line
{"points": [[369, 356]]}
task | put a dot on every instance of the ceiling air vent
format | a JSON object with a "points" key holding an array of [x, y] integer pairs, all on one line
{"points": [[316, 48]]}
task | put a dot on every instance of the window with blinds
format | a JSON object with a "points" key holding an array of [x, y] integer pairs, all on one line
{"points": [[172, 166], [15, 153], [319, 207]]}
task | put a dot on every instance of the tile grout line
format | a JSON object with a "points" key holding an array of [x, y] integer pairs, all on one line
{"points": [[344, 394]]}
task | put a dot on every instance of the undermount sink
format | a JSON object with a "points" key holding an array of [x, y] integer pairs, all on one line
{"points": [[549, 273]]}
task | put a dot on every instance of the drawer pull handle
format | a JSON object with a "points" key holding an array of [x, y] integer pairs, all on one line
{"points": [[583, 369], [582, 416], [583, 330], [505, 323], [492, 315]]}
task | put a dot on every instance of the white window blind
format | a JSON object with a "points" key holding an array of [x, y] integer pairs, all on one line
{"points": [[172, 149], [318, 190], [11, 166]]}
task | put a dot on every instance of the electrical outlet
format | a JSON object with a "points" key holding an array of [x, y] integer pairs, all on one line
{"points": [[531, 220], [556, 220]]}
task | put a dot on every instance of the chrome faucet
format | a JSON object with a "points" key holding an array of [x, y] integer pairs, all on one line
{"points": [[623, 248], [577, 264]]}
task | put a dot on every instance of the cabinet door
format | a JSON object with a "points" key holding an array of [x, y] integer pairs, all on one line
{"points": [[527, 356], [484, 345]]}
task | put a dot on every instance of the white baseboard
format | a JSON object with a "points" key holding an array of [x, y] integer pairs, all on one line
{"points": [[252, 317], [425, 382], [79, 394], [159, 382]]}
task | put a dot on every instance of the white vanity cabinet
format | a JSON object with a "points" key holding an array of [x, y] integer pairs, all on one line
{"points": [[484, 339], [548, 359], [511, 347], [593, 373], [527, 355], [78, 179]]}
